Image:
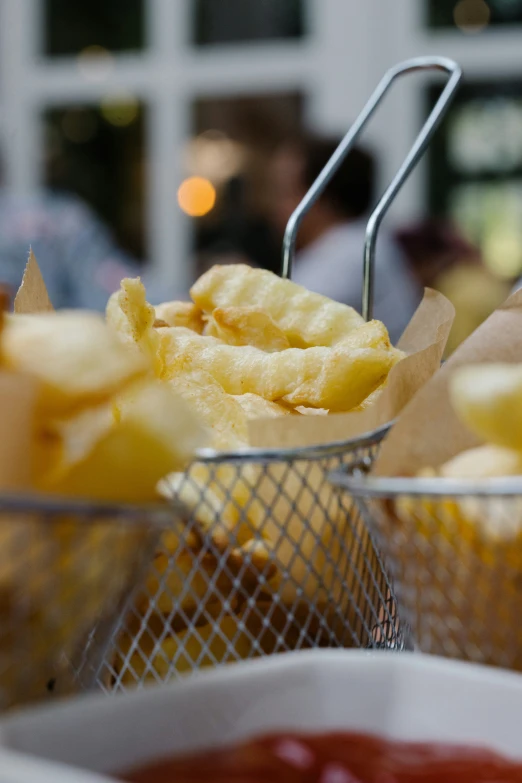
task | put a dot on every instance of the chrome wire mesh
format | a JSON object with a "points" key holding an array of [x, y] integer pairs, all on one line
{"points": [[65, 568], [454, 552], [213, 599]]}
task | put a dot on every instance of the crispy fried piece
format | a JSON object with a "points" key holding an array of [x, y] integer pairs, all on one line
{"points": [[221, 413], [482, 462], [256, 407], [311, 536], [124, 460], [500, 519], [65, 442], [203, 504], [132, 318], [180, 580], [225, 415], [307, 319], [75, 357], [371, 399], [338, 378], [181, 314], [221, 501], [247, 326], [488, 399]]}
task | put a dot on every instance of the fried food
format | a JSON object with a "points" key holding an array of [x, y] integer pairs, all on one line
{"points": [[72, 354], [462, 552], [98, 427], [256, 407], [338, 378], [253, 531], [222, 641], [307, 319], [483, 462], [124, 460], [220, 499], [132, 318], [488, 399], [247, 326], [221, 413], [200, 578], [181, 314], [371, 399]]}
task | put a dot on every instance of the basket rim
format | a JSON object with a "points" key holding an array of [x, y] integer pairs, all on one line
{"points": [[30, 503], [391, 487], [320, 451]]}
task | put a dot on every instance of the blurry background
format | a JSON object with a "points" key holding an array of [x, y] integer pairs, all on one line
{"points": [[163, 115]]}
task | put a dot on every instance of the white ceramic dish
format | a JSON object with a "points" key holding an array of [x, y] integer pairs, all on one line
{"points": [[396, 695], [18, 768]]}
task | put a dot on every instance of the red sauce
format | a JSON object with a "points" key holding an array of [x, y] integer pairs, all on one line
{"points": [[333, 758]]}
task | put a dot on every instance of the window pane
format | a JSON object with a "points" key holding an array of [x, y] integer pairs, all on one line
{"points": [[475, 164], [470, 14], [234, 139], [490, 214], [232, 21], [97, 153], [73, 25]]}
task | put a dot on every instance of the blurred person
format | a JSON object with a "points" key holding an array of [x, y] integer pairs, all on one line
{"points": [[434, 246], [330, 241], [238, 236], [79, 260], [443, 259]]}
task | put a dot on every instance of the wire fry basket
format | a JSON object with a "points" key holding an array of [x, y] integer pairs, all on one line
{"points": [[272, 557], [65, 568], [454, 552], [285, 569]]}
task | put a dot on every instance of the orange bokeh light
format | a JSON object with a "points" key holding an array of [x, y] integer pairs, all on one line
{"points": [[471, 16], [196, 196]]}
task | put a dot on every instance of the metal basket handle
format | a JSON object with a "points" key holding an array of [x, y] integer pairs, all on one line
{"points": [[414, 155]]}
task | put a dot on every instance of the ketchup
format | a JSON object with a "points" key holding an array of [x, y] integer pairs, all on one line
{"points": [[333, 758]]}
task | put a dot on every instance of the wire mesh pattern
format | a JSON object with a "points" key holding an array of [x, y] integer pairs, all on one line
{"points": [[272, 557], [64, 568], [281, 566], [456, 564]]}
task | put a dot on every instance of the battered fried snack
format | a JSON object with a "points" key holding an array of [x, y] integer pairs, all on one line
{"points": [[256, 407], [371, 399], [181, 314], [220, 498], [338, 378], [290, 352], [76, 359], [133, 318], [221, 413], [123, 460], [99, 427], [483, 462], [307, 319], [247, 326], [488, 399]]}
